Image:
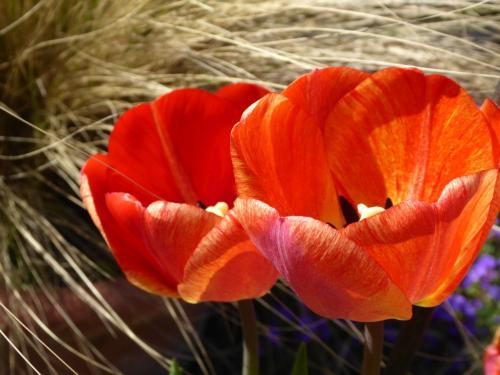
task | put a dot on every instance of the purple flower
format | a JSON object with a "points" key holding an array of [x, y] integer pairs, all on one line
{"points": [[467, 307], [494, 292], [484, 270]]}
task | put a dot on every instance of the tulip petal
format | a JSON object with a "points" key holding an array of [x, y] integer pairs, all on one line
{"points": [[279, 158], [226, 267], [143, 174], [241, 95], [426, 248], [127, 246], [405, 135], [330, 273], [464, 234], [491, 113], [171, 231], [318, 91], [194, 128]]}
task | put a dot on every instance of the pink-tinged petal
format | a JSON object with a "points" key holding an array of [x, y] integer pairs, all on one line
{"points": [[241, 95], [173, 231], [491, 113], [427, 248], [226, 267], [127, 246], [169, 231], [318, 91], [404, 135], [278, 158], [491, 358], [331, 274], [194, 128]]}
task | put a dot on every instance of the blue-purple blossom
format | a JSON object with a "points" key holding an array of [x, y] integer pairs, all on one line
{"points": [[484, 271]]}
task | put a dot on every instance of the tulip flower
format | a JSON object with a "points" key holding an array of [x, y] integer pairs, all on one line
{"points": [[369, 193], [492, 356], [161, 198]]}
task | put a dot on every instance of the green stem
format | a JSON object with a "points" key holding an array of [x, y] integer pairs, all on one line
{"points": [[250, 338], [373, 348], [409, 339]]}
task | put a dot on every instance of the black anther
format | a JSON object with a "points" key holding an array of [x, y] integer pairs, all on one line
{"points": [[350, 214], [388, 203]]}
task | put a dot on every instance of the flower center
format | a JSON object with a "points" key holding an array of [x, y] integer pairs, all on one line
{"points": [[365, 212], [219, 209], [352, 215]]}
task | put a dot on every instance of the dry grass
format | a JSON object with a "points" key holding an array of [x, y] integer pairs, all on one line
{"points": [[69, 68]]}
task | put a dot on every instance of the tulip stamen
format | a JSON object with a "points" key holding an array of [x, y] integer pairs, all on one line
{"points": [[201, 205], [219, 209]]}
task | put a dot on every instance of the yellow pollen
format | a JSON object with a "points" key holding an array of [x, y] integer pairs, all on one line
{"points": [[366, 212], [219, 209]]}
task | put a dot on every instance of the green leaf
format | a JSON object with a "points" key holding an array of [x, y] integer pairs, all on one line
{"points": [[300, 363], [175, 369]]}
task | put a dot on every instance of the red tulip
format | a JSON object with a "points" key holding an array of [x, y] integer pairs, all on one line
{"points": [[167, 161], [492, 356], [412, 152]]}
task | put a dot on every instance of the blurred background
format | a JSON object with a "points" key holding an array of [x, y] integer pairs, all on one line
{"points": [[69, 68]]}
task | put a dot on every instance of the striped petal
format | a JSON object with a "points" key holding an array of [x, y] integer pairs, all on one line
{"points": [[330, 273], [427, 248], [278, 158], [491, 113], [226, 267], [317, 92], [404, 135]]}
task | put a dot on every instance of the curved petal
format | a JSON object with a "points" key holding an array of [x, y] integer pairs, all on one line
{"points": [[173, 231], [400, 239], [427, 248], [318, 91], [491, 113], [464, 232], [278, 158], [226, 267], [241, 95], [194, 128], [127, 246], [177, 148], [137, 160], [331, 274], [405, 135]]}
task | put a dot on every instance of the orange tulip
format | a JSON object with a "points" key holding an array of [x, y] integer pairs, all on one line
{"points": [[412, 152], [492, 356], [167, 161]]}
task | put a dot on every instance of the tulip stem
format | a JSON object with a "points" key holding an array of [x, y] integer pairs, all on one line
{"points": [[250, 338], [373, 348], [408, 341]]}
